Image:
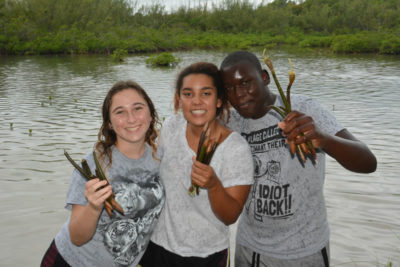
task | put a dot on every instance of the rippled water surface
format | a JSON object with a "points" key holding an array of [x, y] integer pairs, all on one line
{"points": [[48, 104]]}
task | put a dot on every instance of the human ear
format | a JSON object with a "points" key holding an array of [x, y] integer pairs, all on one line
{"points": [[219, 103], [265, 77], [177, 102]]}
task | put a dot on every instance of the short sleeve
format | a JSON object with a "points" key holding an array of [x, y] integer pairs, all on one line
{"points": [[76, 190], [237, 162], [324, 119]]}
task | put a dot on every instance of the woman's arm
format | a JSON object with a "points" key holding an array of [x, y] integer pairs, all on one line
{"points": [[84, 219], [226, 203]]}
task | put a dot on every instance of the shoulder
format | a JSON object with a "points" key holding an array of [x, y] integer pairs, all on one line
{"points": [[235, 120], [307, 104], [300, 100], [236, 144], [324, 118], [148, 156], [171, 133], [172, 123], [88, 158], [234, 115], [236, 138], [236, 161]]}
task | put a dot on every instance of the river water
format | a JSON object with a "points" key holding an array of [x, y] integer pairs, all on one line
{"points": [[52, 103]]}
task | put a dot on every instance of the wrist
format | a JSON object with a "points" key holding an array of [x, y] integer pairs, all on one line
{"points": [[215, 186], [93, 209]]}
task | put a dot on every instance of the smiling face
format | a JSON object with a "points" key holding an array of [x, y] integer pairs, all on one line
{"points": [[247, 89], [129, 117], [198, 99]]}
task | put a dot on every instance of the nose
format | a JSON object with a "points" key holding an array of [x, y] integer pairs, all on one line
{"points": [[131, 116], [196, 99], [240, 91]]}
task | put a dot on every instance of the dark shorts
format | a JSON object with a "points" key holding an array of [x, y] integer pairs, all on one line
{"points": [[53, 258], [157, 256], [245, 257]]}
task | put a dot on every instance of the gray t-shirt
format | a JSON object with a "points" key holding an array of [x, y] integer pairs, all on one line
{"points": [[122, 239], [285, 214], [187, 225]]}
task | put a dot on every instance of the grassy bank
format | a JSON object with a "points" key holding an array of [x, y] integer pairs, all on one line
{"points": [[84, 26]]}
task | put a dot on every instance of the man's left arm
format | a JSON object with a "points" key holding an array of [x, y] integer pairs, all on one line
{"points": [[345, 148]]}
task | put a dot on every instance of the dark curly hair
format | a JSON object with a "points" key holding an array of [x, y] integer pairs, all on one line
{"points": [[212, 71]]}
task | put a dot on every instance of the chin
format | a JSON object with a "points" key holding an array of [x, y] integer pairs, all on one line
{"points": [[245, 114], [198, 124]]}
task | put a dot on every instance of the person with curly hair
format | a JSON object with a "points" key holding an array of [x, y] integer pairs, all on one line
{"points": [[126, 148]]}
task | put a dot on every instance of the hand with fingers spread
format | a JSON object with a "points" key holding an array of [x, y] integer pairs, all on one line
{"points": [[96, 192]]}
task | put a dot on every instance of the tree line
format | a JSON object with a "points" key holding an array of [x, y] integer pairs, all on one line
{"points": [[103, 26]]}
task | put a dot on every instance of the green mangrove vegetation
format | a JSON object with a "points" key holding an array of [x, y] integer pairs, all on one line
{"points": [[164, 59], [106, 26]]}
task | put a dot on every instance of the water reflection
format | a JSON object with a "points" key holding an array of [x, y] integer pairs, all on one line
{"points": [[58, 98]]}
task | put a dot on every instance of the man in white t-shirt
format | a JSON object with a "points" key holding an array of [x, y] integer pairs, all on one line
{"points": [[284, 222]]}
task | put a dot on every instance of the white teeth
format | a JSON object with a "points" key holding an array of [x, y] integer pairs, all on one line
{"points": [[199, 111], [132, 128]]}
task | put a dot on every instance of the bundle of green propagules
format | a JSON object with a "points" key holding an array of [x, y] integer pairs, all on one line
{"points": [[205, 151], [305, 149], [110, 203]]}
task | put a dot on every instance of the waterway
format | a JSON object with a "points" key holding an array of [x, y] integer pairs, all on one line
{"points": [[52, 103]]}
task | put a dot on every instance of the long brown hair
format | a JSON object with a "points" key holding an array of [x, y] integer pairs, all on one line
{"points": [[212, 71], [107, 137]]}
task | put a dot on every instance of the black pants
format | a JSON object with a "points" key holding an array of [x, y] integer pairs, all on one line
{"points": [[157, 256]]}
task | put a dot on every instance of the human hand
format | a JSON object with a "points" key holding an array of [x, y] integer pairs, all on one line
{"points": [[203, 175], [300, 128], [96, 192]]}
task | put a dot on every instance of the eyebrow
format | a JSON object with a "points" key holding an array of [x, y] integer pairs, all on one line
{"points": [[134, 104], [202, 88]]}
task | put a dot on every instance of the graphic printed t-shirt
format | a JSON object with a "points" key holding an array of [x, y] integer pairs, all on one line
{"points": [[122, 239], [285, 214]]}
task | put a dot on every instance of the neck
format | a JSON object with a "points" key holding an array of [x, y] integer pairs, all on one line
{"points": [[193, 133], [132, 150], [269, 101], [264, 108]]}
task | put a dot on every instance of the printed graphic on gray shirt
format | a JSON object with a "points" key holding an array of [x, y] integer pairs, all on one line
{"points": [[269, 198], [125, 237]]}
